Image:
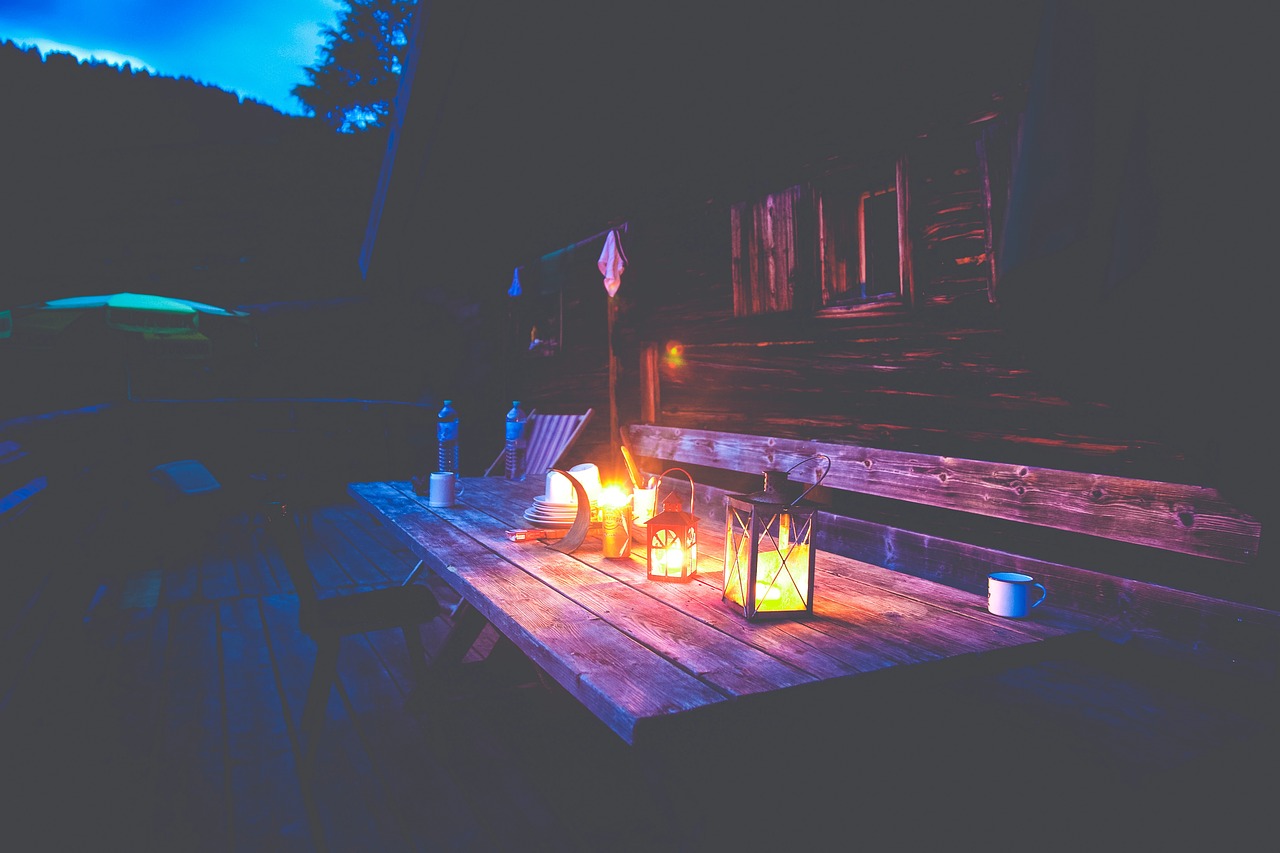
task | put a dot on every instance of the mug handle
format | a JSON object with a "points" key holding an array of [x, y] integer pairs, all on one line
{"points": [[1044, 593], [458, 489]]}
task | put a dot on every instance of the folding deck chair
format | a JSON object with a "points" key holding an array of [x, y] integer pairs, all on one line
{"points": [[548, 437]]}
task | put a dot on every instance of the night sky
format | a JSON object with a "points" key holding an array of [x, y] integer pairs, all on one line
{"points": [[254, 48]]}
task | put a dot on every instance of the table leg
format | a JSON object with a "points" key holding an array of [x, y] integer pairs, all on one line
{"points": [[466, 628]]}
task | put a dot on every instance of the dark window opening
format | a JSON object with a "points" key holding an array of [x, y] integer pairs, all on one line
{"points": [[879, 275]]}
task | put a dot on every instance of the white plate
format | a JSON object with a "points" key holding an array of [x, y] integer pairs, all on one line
{"points": [[544, 522], [548, 516], [555, 507], [550, 506]]}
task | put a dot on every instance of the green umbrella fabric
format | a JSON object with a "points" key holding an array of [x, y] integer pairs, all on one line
{"points": [[149, 329], [130, 312]]}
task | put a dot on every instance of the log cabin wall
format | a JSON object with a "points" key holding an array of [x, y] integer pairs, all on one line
{"points": [[756, 328], [935, 368], [942, 375]]}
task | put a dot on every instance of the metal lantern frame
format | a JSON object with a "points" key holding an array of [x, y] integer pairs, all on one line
{"points": [[672, 527], [770, 554]]}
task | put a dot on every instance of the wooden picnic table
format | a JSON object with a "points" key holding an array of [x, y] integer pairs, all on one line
{"points": [[639, 653]]}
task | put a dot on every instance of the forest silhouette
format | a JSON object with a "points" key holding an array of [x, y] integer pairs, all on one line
{"points": [[119, 179]]}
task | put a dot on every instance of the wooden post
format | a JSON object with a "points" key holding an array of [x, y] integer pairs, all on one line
{"points": [[615, 463], [906, 269], [650, 399]]}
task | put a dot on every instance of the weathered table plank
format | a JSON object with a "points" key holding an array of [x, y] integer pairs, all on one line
{"points": [[615, 677]]}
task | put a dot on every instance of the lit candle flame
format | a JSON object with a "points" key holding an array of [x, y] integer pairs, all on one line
{"points": [[673, 559], [614, 497]]}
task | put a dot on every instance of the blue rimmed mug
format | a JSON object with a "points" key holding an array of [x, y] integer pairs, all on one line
{"points": [[1009, 594]]}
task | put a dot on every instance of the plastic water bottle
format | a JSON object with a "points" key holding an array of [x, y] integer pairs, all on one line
{"points": [[447, 437], [516, 419]]}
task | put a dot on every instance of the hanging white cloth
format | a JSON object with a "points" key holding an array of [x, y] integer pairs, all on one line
{"points": [[613, 260], [514, 289]]}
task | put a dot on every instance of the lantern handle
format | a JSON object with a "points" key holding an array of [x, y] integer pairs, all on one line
{"points": [[825, 471], [692, 504]]}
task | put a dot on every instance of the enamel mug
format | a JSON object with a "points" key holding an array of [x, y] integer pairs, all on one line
{"points": [[1009, 594]]}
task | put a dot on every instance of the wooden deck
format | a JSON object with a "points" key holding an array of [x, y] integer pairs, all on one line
{"points": [[164, 716], [159, 711]]}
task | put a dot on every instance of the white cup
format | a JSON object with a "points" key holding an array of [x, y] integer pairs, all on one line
{"points": [[444, 489], [644, 504], [588, 474], [559, 489], [1009, 594]]}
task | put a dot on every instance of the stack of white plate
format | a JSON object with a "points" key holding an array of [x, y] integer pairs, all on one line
{"points": [[546, 514]]}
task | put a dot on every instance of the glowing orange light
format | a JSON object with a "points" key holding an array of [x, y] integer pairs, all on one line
{"points": [[614, 497], [675, 354], [615, 536]]}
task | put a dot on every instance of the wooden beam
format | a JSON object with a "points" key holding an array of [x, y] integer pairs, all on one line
{"points": [[650, 383], [906, 269], [615, 457]]}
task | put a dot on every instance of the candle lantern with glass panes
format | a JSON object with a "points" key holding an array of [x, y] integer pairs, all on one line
{"points": [[672, 536], [770, 552]]}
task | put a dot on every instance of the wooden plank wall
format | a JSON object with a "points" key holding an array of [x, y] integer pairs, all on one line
{"points": [[943, 381], [944, 376]]}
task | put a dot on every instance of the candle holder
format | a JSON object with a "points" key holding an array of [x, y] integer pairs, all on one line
{"points": [[614, 532], [644, 505], [672, 537]]}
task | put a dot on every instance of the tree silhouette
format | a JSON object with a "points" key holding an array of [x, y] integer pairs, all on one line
{"points": [[118, 179], [354, 85]]}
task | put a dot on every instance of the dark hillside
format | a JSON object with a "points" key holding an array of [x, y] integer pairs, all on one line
{"points": [[117, 179]]}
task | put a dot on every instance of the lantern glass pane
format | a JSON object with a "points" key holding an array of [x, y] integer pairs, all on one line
{"points": [[673, 547], [782, 568], [666, 553], [737, 557]]}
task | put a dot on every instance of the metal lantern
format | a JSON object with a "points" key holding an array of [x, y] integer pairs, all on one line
{"points": [[672, 535], [769, 552]]}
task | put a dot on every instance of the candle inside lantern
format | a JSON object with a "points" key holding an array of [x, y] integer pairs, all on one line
{"points": [[779, 587], [671, 558], [674, 558], [616, 537]]}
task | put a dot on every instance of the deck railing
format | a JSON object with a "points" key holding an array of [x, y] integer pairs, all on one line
{"points": [[88, 454]]}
